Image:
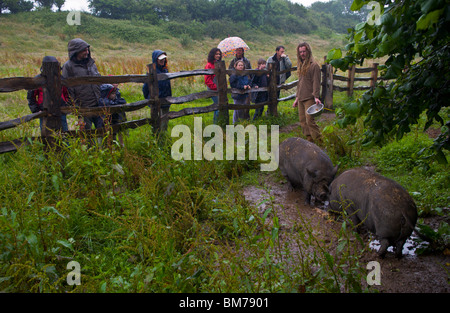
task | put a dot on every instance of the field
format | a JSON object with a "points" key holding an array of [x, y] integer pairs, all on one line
{"points": [[135, 220]]}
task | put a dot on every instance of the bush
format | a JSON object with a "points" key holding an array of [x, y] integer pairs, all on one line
{"points": [[408, 161], [408, 154]]}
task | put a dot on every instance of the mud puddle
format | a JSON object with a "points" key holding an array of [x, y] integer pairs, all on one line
{"points": [[411, 274]]}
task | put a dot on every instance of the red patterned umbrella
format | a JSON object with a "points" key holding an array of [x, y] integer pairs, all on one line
{"points": [[229, 45]]}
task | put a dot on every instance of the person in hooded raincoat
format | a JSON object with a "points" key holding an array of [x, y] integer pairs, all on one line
{"points": [[110, 95], [80, 63], [159, 57]]}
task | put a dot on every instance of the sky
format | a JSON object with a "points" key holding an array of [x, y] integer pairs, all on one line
{"points": [[82, 5]]}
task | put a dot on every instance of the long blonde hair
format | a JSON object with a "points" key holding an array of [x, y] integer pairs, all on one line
{"points": [[303, 67]]}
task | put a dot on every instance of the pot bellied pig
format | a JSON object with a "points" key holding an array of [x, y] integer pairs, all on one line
{"points": [[381, 204], [306, 166]]}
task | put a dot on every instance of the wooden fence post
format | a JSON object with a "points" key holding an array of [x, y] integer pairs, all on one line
{"points": [[327, 85], [222, 86], [273, 94], [155, 108], [351, 80], [51, 123], [374, 77], [330, 82]]}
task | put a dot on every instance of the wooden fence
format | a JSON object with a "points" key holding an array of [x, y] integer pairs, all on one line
{"points": [[328, 78], [51, 81]]}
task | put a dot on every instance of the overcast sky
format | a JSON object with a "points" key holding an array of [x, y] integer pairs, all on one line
{"points": [[82, 5]]}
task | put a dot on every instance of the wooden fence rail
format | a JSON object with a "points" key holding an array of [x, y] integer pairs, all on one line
{"points": [[51, 81], [328, 79]]}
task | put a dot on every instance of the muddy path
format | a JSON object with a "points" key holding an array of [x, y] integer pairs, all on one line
{"points": [[411, 274]]}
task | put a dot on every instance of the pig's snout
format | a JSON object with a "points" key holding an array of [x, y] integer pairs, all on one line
{"points": [[323, 196]]}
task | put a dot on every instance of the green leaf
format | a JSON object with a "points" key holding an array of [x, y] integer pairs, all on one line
{"points": [[334, 54], [357, 5], [330, 259], [379, 91], [65, 243], [52, 209], [427, 20]]}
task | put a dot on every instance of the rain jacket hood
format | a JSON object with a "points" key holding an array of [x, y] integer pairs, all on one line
{"points": [[76, 45], [105, 90], [156, 54]]}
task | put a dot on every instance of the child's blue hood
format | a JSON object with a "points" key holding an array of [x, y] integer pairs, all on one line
{"points": [[156, 54]]}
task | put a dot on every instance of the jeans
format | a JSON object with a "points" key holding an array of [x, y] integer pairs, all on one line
{"points": [[241, 114], [215, 100], [258, 113], [96, 120], [64, 125]]}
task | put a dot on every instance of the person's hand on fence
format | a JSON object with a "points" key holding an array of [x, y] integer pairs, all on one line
{"points": [[294, 105]]}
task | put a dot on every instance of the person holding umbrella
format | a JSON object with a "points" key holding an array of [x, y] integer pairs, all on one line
{"points": [[240, 56], [236, 46]]}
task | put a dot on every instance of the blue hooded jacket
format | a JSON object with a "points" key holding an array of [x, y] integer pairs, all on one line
{"points": [[165, 90]]}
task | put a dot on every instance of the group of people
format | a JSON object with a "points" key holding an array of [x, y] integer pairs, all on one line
{"points": [[307, 93], [81, 63]]}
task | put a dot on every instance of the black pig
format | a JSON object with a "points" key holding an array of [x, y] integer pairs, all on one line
{"points": [[307, 167], [381, 204]]}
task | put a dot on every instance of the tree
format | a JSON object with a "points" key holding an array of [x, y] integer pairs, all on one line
{"points": [[413, 35], [59, 4], [16, 6], [343, 17]]}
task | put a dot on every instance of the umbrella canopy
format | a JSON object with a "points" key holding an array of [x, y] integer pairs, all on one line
{"points": [[229, 45]]}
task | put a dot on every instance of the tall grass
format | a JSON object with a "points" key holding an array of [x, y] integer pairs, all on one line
{"points": [[137, 221]]}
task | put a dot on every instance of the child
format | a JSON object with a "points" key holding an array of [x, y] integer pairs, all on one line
{"points": [[260, 81], [110, 95], [240, 82]]}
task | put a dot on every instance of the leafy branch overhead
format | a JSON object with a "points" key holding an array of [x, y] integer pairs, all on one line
{"points": [[413, 35]]}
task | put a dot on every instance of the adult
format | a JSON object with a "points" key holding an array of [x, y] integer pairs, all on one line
{"points": [[210, 80], [80, 63], [308, 91], [159, 57], [36, 100], [239, 56], [282, 62]]}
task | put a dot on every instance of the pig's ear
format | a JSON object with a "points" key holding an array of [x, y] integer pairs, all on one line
{"points": [[311, 173], [335, 170]]}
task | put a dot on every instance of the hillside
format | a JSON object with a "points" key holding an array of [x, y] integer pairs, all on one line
{"points": [[25, 38]]}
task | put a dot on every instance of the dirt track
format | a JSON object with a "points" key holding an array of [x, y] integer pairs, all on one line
{"points": [[411, 274]]}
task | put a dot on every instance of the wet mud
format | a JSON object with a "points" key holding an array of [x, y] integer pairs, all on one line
{"points": [[410, 274]]}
